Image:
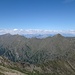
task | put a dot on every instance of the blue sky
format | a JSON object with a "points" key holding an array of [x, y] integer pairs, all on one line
{"points": [[37, 14]]}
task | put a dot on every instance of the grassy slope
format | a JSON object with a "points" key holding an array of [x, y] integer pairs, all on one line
{"points": [[8, 71], [53, 67]]}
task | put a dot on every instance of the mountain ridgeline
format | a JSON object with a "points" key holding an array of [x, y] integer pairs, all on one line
{"points": [[33, 50], [34, 56]]}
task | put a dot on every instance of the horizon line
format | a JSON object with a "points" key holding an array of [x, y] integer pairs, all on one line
{"points": [[36, 31]]}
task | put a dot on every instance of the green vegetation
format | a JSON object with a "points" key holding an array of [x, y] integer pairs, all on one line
{"points": [[1, 73]]}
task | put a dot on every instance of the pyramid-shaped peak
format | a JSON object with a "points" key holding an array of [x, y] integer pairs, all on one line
{"points": [[58, 35]]}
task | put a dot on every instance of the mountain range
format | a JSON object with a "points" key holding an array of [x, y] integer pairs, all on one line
{"points": [[46, 35], [53, 55]]}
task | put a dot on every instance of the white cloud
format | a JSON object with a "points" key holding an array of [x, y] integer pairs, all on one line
{"points": [[15, 29], [35, 31]]}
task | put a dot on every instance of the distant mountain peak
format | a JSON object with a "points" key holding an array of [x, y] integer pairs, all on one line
{"points": [[58, 35]]}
